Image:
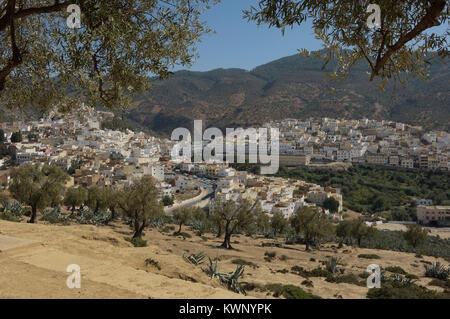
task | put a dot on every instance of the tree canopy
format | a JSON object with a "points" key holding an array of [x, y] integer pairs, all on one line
{"points": [[311, 223], [38, 186], [120, 45], [139, 202], [234, 216], [403, 43]]}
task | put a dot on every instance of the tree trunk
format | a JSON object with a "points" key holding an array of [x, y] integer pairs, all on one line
{"points": [[33, 215], [179, 230], [219, 231], [113, 213], [73, 209], [138, 229], [307, 243], [227, 241]]}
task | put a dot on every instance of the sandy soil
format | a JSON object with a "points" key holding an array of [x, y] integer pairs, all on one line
{"points": [[34, 258]]}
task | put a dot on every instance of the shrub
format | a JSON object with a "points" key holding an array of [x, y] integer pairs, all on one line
{"points": [[411, 276], [396, 270], [269, 256], [437, 271], [294, 292], [331, 265], [348, 279], [317, 272], [183, 234], [369, 256], [364, 275], [137, 242], [440, 283], [8, 216], [243, 262], [168, 229], [395, 290], [289, 291], [307, 283], [284, 257], [153, 263], [250, 286]]}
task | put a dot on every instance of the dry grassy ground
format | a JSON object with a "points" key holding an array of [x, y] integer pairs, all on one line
{"points": [[33, 261]]}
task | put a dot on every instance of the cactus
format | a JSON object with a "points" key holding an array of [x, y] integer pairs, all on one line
{"points": [[396, 278], [231, 280], [195, 259], [437, 270], [15, 208]]}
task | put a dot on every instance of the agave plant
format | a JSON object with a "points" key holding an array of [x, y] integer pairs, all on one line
{"points": [[231, 280], [14, 208], [403, 281], [101, 218], [437, 270], [195, 259], [55, 215], [84, 215]]}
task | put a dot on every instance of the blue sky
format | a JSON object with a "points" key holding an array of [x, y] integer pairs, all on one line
{"points": [[241, 44]]}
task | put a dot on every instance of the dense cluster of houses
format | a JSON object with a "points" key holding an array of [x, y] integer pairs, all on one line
{"points": [[364, 141], [93, 156]]}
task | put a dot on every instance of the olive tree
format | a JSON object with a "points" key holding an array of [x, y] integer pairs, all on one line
{"points": [[118, 47], [310, 222], [278, 223], [415, 235], [182, 216], [75, 196], [235, 215], [140, 202], [402, 45], [38, 186]]}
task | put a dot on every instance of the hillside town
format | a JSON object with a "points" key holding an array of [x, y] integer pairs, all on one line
{"points": [[98, 156], [363, 141]]}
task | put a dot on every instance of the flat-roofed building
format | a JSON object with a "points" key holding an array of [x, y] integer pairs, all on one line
{"points": [[433, 215]]}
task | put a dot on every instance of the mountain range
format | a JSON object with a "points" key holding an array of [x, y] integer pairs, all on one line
{"points": [[291, 87]]}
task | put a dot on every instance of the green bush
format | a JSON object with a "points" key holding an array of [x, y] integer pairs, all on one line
{"points": [[437, 271], [8, 216], [168, 229], [137, 242], [348, 279], [269, 255], [440, 283], [411, 276], [396, 270], [369, 256], [183, 234], [289, 291], [317, 272], [243, 262], [395, 290]]}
